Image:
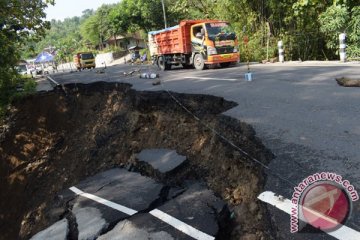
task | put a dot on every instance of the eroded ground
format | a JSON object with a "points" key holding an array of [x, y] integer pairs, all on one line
{"points": [[52, 141]]}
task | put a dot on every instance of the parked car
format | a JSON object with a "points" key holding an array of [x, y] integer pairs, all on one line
{"points": [[21, 69]]}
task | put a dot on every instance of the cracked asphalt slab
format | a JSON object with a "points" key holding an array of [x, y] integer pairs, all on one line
{"points": [[298, 111], [58, 231], [162, 160], [192, 213]]}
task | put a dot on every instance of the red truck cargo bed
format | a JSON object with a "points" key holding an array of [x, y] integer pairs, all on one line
{"points": [[175, 39]]}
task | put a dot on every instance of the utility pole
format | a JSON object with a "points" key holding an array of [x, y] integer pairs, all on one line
{"points": [[163, 6], [101, 30]]}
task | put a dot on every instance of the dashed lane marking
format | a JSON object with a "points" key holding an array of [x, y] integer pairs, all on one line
{"points": [[181, 226], [342, 233], [103, 201]]}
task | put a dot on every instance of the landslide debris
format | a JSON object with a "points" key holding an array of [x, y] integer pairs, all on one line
{"points": [[54, 140]]}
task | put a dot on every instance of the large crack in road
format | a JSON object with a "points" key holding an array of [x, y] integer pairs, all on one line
{"points": [[59, 139]]}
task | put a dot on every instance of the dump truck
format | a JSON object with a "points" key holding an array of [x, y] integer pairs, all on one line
{"points": [[196, 43], [84, 60]]}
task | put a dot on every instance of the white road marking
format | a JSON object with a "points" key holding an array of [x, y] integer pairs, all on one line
{"points": [[53, 81], [326, 195], [76, 190], [216, 79], [108, 203], [342, 233], [183, 227]]}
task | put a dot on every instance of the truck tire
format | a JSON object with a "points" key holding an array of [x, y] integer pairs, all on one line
{"points": [[199, 62], [162, 64]]}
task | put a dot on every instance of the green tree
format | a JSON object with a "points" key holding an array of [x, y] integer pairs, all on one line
{"points": [[86, 14], [132, 15], [354, 33], [19, 22], [333, 22], [89, 30], [97, 27]]}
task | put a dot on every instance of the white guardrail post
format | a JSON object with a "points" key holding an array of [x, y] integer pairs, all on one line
{"points": [[281, 51], [342, 47]]}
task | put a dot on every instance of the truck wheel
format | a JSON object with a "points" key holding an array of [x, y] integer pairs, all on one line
{"points": [[199, 62], [162, 64], [225, 64]]}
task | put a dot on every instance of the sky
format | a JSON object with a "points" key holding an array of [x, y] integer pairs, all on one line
{"points": [[71, 8]]}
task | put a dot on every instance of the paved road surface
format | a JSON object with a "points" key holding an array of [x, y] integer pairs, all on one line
{"points": [[297, 109]]}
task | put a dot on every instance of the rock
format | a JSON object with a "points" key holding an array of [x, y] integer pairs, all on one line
{"points": [[125, 230], [57, 231], [163, 160], [156, 82], [90, 222]]}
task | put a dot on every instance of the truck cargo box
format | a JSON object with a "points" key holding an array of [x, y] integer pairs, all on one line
{"points": [[194, 43], [172, 40]]}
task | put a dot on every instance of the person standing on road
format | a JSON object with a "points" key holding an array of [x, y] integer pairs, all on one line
{"points": [[143, 58]]}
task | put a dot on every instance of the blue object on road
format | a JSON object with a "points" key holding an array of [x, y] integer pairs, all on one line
{"points": [[44, 57], [248, 77], [143, 57]]}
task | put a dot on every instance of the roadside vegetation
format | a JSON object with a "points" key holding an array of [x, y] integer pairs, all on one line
{"points": [[20, 22], [309, 29]]}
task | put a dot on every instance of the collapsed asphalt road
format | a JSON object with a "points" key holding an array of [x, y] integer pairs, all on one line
{"points": [[149, 207], [300, 113], [53, 142]]}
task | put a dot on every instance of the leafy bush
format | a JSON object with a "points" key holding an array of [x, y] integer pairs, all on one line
{"points": [[256, 49], [19, 24], [19, 87], [353, 52], [333, 22]]}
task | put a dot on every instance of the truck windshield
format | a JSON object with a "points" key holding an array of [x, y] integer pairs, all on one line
{"points": [[221, 30], [86, 56]]}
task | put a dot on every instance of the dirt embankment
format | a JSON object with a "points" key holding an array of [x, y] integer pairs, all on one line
{"points": [[56, 139]]}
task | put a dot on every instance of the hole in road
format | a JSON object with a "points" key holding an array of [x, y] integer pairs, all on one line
{"points": [[54, 140]]}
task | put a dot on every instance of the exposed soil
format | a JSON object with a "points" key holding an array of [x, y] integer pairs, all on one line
{"points": [[348, 82], [54, 140]]}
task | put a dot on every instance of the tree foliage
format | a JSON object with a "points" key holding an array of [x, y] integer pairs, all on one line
{"points": [[97, 27], [354, 33], [308, 28], [20, 21], [130, 15], [90, 30], [333, 22]]}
